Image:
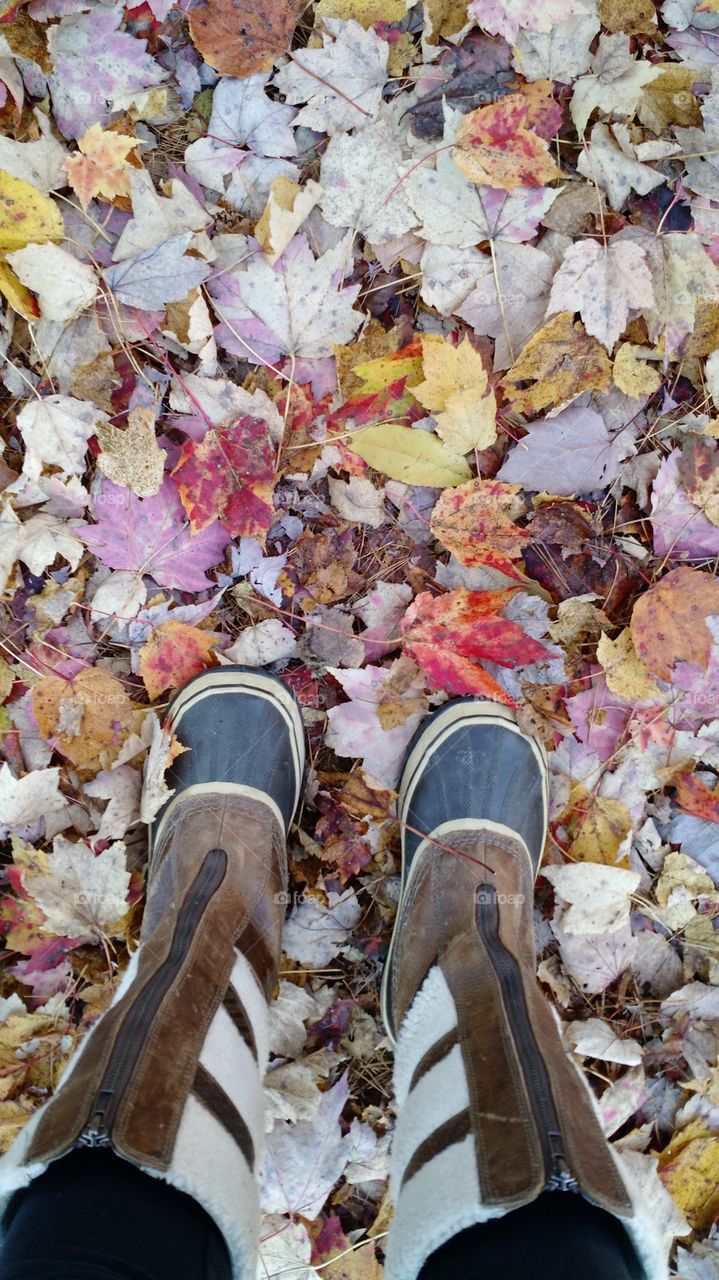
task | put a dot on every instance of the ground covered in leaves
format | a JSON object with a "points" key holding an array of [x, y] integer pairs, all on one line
{"points": [[376, 346]]}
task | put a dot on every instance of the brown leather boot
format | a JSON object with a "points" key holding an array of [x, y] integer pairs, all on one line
{"points": [[491, 1110], [170, 1078]]}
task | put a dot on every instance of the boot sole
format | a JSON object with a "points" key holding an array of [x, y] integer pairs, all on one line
{"points": [[235, 681], [431, 735]]}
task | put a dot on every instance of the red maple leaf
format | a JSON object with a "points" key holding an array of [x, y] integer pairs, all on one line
{"points": [[229, 475], [447, 635]]}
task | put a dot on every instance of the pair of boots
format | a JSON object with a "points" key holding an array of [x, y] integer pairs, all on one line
{"points": [[491, 1110]]}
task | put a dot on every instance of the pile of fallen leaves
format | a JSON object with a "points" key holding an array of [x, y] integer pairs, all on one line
{"points": [[374, 345]]}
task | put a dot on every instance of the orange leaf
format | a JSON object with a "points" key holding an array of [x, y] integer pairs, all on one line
{"points": [[668, 622], [175, 653], [474, 522], [503, 145], [694, 796], [239, 41], [101, 167]]}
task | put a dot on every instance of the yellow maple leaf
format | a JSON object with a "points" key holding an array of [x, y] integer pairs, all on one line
{"points": [[455, 391], [101, 168]]}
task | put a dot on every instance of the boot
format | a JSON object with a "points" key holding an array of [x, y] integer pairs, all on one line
{"points": [[170, 1078], [491, 1111]]}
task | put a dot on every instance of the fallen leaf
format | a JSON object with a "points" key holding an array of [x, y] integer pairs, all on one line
{"points": [[557, 364], [509, 298], [156, 276], [150, 535], [229, 475], [601, 832], [342, 82], [475, 521], [103, 716], [602, 282], [615, 84], [689, 1169], [570, 453], [446, 635], [386, 705], [415, 457], [233, 50], [504, 144], [698, 469], [64, 286], [358, 501], [313, 933], [695, 797], [633, 375], [597, 896], [287, 207], [82, 895], [55, 430], [266, 642], [456, 391], [680, 528], [173, 655], [507, 17], [302, 1162], [132, 456], [295, 306], [26, 215], [30, 799], [668, 623], [610, 162], [101, 166], [624, 671], [597, 1039]]}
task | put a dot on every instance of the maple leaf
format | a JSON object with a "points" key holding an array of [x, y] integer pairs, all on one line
{"points": [[132, 456], [229, 475], [87, 717], [669, 621], [83, 85], [55, 431], [266, 32], [572, 452], [558, 363], [385, 706], [561, 54], [509, 297], [361, 174], [452, 210], [615, 84], [504, 143], [447, 634], [30, 799], [342, 82], [81, 894], [681, 531], [101, 168], [602, 282], [475, 522], [610, 162], [456, 391], [295, 306], [695, 797], [173, 655], [26, 215], [150, 535], [507, 17], [64, 286], [162, 274]]}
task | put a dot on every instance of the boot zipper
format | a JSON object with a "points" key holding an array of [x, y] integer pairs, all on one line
{"points": [[558, 1171], [139, 1018]]}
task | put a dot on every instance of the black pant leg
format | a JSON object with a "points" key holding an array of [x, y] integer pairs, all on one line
{"points": [[559, 1236], [93, 1216]]}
